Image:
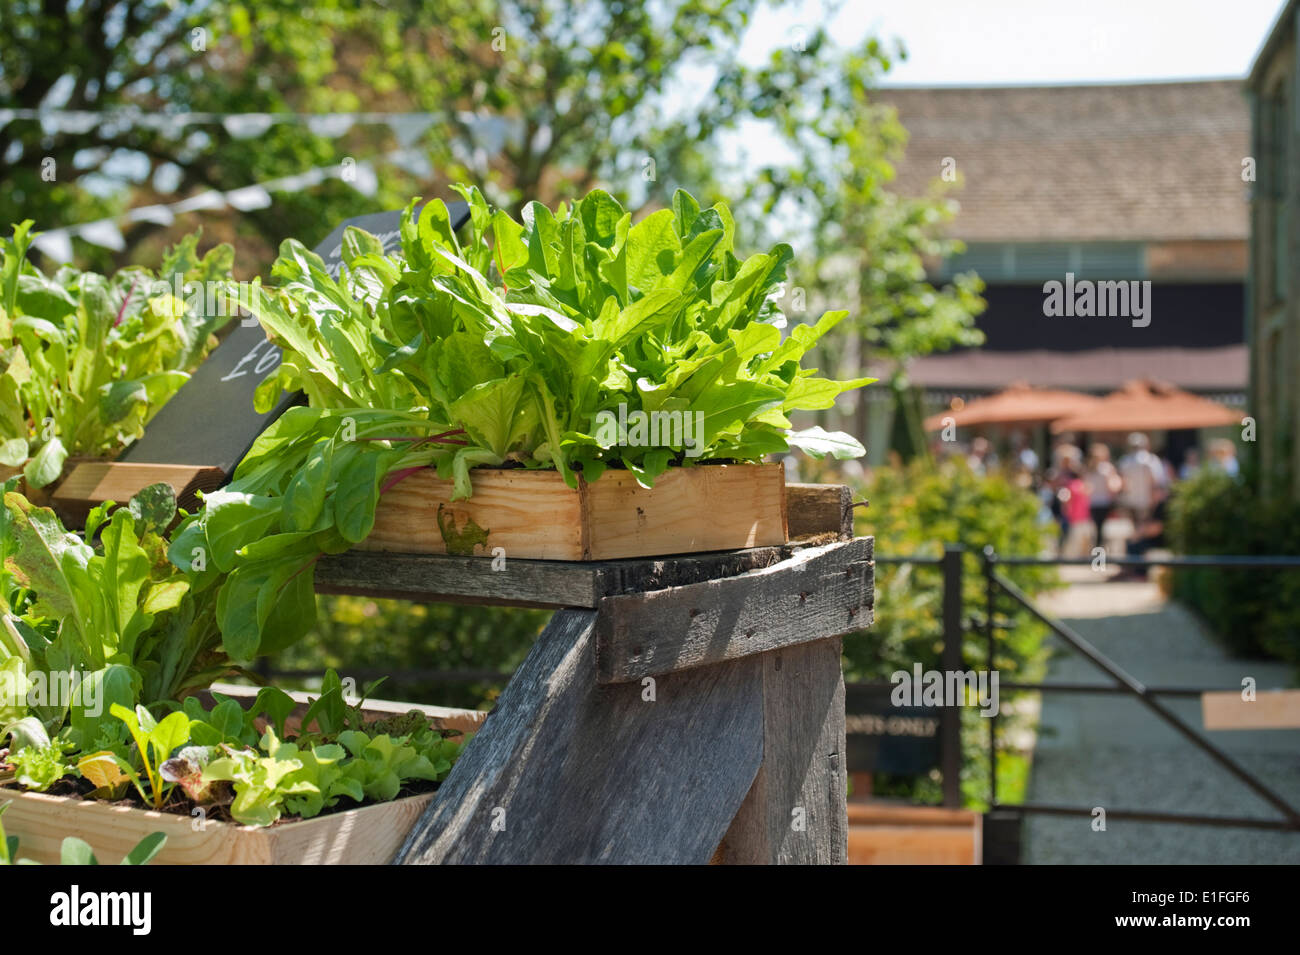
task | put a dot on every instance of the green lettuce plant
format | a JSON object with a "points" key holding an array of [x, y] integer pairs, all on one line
{"points": [[40, 767], [239, 758], [115, 617], [345, 755], [86, 360], [300, 779], [517, 348]]}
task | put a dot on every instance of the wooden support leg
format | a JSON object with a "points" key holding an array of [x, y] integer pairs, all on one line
{"points": [[568, 771], [669, 726], [795, 811]]}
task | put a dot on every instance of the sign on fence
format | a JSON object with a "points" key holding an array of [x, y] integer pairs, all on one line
{"points": [[883, 738]]}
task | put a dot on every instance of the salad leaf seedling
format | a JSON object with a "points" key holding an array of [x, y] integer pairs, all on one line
{"points": [[154, 740]]}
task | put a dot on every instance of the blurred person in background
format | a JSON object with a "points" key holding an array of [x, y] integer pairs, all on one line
{"points": [[982, 460], [1191, 464], [1076, 508], [1149, 535], [1144, 477], [1223, 457], [1064, 454], [1024, 456], [1103, 483]]}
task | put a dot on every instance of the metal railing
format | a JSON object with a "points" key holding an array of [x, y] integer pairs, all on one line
{"points": [[998, 585]]}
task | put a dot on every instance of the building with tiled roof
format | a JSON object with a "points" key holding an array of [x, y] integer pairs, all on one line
{"points": [[1105, 183]]}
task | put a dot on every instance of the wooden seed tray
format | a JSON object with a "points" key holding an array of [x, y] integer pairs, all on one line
{"points": [[535, 515]]}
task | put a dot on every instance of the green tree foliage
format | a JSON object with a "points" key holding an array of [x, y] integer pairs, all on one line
{"points": [[534, 100], [871, 246]]}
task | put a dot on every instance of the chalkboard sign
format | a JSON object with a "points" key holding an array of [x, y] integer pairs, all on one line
{"points": [[884, 738], [210, 420]]}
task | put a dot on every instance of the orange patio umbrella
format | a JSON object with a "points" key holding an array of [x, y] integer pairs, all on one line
{"points": [[1149, 406], [1018, 404]]}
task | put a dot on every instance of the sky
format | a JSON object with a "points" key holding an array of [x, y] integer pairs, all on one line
{"points": [[996, 42]]}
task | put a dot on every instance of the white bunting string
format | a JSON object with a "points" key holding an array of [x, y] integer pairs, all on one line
{"points": [[79, 117], [407, 127], [103, 232], [57, 243]]}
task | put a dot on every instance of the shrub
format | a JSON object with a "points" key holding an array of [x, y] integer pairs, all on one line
{"points": [[914, 511], [1254, 612]]}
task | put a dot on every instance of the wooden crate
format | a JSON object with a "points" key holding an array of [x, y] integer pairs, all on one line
{"points": [[913, 835], [89, 483], [366, 836], [535, 515], [370, 835]]}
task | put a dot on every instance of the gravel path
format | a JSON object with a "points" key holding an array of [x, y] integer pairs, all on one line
{"points": [[1111, 751]]}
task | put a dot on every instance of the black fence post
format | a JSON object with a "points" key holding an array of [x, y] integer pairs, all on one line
{"points": [[990, 606], [951, 662]]}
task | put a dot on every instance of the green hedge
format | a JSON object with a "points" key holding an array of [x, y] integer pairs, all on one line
{"points": [[1255, 612]]}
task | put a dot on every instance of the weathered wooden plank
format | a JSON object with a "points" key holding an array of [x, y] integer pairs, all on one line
{"points": [[1270, 710], [566, 771], [816, 509], [94, 482], [795, 811], [527, 583], [442, 577], [818, 592], [634, 576]]}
